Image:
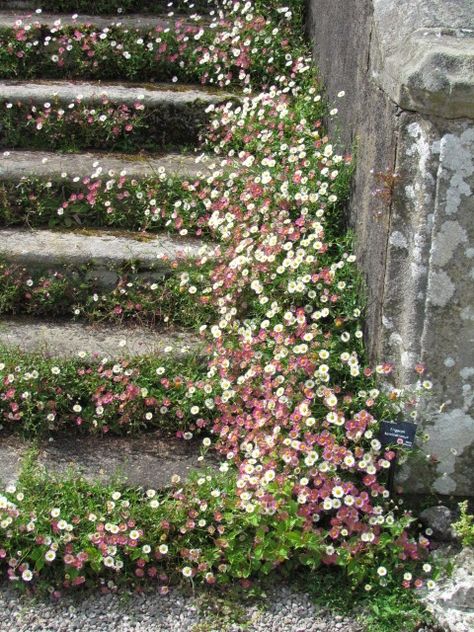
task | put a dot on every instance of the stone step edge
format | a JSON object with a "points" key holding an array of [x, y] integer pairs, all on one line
{"points": [[40, 91], [139, 22], [103, 248], [149, 460], [66, 340], [17, 164], [32, 5]]}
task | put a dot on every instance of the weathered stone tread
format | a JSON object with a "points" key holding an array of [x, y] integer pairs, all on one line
{"points": [[67, 340], [9, 19], [48, 247], [151, 95], [149, 460], [149, 6], [15, 165]]}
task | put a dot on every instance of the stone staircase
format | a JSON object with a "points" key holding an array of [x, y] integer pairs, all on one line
{"points": [[93, 257]]}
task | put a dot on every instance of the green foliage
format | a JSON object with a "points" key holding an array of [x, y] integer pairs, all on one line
{"points": [[379, 609], [155, 203], [205, 532], [136, 296], [395, 611], [75, 126], [90, 394], [464, 526]]}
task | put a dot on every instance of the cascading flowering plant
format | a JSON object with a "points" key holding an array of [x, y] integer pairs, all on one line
{"points": [[298, 410], [295, 408]]}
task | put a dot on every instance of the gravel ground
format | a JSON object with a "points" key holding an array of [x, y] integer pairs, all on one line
{"points": [[284, 610]]}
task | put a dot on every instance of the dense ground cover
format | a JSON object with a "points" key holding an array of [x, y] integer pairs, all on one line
{"points": [[176, 49], [129, 296], [97, 394], [120, 202], [75, 126], [295, 407]]}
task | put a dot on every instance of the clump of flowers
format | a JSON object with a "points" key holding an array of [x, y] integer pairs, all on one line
{"points": [[104, 395], [109, 199], [131, 296], [72, 126]]}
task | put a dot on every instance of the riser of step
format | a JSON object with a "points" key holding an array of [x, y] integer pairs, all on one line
{"points": [[90, 294], [102, 277], [15, 165], [67, 340], [149, 460], [115, 204]]}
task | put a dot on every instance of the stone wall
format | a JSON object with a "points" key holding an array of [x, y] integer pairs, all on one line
{"points": [[407, 67]]}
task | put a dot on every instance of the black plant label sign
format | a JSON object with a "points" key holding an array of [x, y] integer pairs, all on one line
{"points": [[400, 433]]}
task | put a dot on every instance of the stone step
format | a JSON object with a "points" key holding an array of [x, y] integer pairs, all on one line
{"points": [[67, 340], [105, 249], [159, 115], [148, 460], [141, 22], [15, 165], [103, 276], [144, 6], [151, 95]]}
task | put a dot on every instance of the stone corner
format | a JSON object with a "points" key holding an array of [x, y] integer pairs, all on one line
{"points": [[424, 61]]}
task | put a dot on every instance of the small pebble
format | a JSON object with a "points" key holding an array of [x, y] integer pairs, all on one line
{"points": [[284, 610]]}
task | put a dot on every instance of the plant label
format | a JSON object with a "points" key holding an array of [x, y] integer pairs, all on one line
{"points": [[400, 433]]}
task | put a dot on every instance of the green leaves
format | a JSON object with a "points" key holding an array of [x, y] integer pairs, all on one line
{"points": [[464, 526]]}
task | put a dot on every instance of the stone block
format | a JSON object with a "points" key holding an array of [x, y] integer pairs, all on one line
{"points": [[15, 165], [422, 55], [407, 68], [439, 520], [67, 340], [452, 601]]}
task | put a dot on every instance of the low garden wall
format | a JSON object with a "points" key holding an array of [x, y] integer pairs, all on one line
{"points": [[407, 68]]}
